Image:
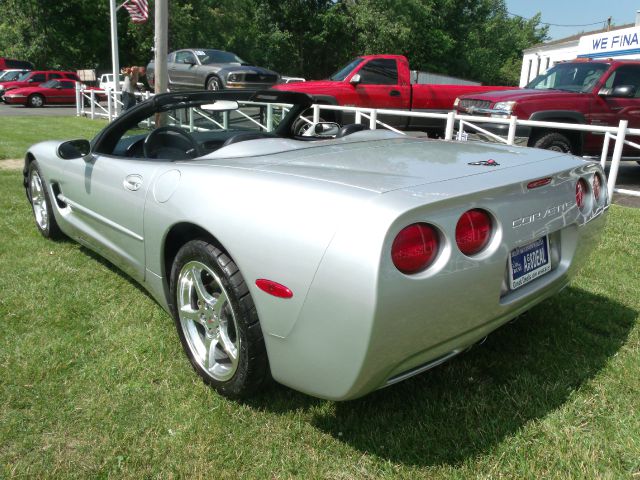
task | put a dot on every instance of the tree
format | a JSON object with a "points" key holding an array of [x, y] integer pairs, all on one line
{"points": [[474, 39]]}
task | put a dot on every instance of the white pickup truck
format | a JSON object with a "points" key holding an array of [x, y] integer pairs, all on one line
{"points": [[106, 82]]}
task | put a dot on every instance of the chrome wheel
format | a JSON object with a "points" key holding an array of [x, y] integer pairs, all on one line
{"points": [[213, 84], [39, 201], [208, 320]]}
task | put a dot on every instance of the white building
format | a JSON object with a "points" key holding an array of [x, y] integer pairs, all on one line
{"points": [[619, 42]]}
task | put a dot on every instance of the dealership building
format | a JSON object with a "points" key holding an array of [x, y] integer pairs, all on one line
{"points": [[619, 42]]}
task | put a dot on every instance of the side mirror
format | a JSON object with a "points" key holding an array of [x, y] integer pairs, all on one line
{"points": [[58, 87], [355, 80], [622, 91], [74, 149], [323, 130], [188, 62]]}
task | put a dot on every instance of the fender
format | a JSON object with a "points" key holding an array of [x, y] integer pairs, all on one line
{"points": [[563, 116], [554, 115]]}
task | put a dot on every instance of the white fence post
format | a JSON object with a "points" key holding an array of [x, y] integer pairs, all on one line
{"points": [[617, 153], [109, 105], [270, 117], [605, 149], [358, 118], [78, 100], [93, 105], [316, 114], [373, 120], [511, 137], [448, 132]]}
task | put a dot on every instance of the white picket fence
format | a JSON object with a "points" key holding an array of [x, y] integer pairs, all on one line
{"points": [[96, 109]]}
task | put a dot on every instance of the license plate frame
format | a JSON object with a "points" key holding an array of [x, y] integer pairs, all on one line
{"points": [[528, 262]]}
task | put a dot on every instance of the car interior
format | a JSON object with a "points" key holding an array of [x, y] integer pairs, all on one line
{"points": [[191, 125]]}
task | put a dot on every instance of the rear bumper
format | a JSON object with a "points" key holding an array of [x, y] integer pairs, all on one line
{"points": [[365, 326]]}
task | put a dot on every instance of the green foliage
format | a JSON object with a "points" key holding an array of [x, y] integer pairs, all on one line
{"points": [[474, 39]]}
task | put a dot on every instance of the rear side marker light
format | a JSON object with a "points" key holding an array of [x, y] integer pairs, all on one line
{"points": [[541, 182], [415, 248], [597, 187], [581, 193], [473, 231], [274, 288]]}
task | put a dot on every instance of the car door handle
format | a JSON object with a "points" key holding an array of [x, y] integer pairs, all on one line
{"points": [[132, 182], [615, 109], [394, 93]]}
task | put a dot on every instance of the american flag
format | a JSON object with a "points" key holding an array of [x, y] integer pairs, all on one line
{"points": [[138, 9]]}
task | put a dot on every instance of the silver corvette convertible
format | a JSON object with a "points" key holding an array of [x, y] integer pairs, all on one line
{"points": [[336, 263]]}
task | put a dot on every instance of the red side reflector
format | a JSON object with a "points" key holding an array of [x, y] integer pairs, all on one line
{"points": [[541, 182], [273, 288]]}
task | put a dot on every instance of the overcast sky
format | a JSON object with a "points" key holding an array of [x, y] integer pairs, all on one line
{"points": [[572, 12]]}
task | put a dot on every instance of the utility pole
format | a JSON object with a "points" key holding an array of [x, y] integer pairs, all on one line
{"points": [[609, 24], [115, 61], [161, 46]]}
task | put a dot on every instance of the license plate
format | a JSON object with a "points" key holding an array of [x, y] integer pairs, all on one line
{"points": [[529, 262]]}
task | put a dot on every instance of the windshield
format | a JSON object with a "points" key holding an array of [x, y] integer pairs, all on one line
{"points": [[207, 57], [346, 70], [9, 76], [570, 77], [49, 84]]}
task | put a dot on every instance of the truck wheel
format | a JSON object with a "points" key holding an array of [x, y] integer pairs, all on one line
{"points": [[556, 142]]}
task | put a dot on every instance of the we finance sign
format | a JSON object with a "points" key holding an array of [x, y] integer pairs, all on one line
{"points": [[611, 44]]}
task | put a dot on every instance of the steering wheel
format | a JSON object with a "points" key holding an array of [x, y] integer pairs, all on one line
{"points": [[172, 143]]}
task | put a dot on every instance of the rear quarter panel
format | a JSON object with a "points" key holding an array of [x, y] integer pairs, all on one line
{"points": [[274, 226]]}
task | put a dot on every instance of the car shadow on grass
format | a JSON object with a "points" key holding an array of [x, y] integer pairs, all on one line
{"points": [[523, 372]]}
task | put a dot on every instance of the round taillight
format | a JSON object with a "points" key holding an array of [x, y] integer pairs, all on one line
{"points": [[581, 193], [414, 248], [473, 231], [597, 187]]}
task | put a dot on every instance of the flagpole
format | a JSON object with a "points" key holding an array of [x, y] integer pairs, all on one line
{"points": [[115, 61]]}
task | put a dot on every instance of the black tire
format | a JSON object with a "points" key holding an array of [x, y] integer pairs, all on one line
{"points": [[214, 83], [41, 204], [554, 141], [35, 101], [199, 264]]}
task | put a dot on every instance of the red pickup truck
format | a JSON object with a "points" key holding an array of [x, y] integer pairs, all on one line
{"points": [[590, 92], [385, 81]]}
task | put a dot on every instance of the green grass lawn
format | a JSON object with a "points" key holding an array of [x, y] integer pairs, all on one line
{"points": [[18, 133], [93, 382]]}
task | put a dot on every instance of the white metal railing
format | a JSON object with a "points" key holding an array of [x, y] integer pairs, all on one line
{"points": [[94, 109]]}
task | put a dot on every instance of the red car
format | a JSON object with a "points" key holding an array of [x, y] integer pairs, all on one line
{"points": [[35, 78], [53, 92]]}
